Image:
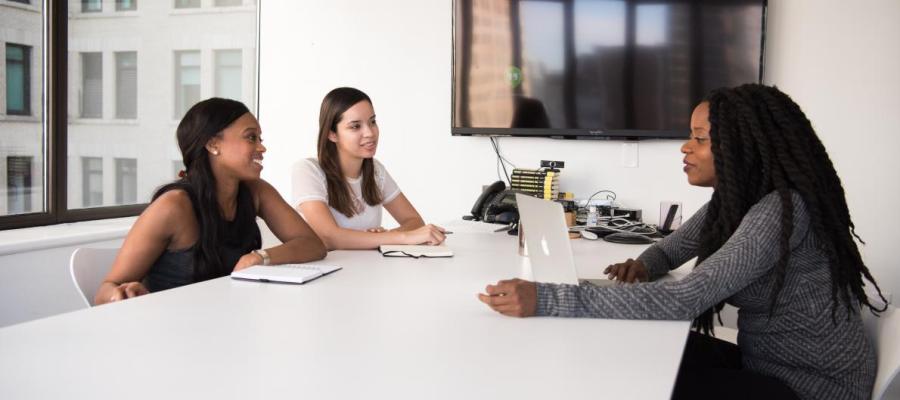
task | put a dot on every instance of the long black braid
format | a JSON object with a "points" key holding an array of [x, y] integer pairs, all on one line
{"points": [[762, 143]]}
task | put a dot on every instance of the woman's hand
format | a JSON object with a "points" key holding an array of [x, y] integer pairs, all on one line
{"points": [[515, 298], [376, 230], [428, 234], [248, 260], [629, 271], [128, 290]]}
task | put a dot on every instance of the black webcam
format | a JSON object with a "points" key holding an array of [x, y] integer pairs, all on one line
{"points": [[552, 164]]}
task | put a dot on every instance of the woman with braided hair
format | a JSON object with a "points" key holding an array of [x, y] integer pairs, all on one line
{"points": [[775, 240]]}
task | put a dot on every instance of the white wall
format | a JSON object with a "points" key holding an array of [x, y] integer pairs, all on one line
{"points": [[840, 61], [836, 58]]}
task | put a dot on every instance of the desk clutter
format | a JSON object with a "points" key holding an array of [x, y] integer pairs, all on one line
{"points": [[540, 183], [592, 219]]}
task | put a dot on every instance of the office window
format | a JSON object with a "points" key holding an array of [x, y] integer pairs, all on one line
{"points": [[227, 3], [104, 111], [22, 139], [126, 181], [126, 84], [126, 5], [18, 184], [187, 3], [228, 74], [177, 167], [91, 181], [91, 6], [187, 81], [91, 85], [18, 79]]}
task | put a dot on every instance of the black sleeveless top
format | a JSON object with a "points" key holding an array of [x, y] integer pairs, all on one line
{"points": [[175, 268]]}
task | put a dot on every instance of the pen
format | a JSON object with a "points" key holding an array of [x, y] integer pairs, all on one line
{"points": [[448, 232], [505, 228]]}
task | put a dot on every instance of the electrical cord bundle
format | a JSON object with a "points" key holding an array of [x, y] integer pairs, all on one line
{"points": [[622, 225], [501, 160], [610, 196]]}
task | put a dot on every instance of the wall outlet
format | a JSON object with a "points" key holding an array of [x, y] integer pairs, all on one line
{"points": [[630, 154]]}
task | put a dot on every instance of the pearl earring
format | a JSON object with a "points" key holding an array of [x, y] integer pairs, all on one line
{"points": [[215, 152]]}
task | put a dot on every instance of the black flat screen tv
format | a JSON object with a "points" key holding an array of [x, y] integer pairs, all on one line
{"points": [[597, 69]]}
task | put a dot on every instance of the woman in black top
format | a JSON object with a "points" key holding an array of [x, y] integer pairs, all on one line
{"points": [[203, 226]]}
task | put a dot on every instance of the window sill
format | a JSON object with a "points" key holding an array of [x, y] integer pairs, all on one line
{"points": [[105, 14], [213, 10], [44, 237], [24, 7], [100, 121], [19, 118]]}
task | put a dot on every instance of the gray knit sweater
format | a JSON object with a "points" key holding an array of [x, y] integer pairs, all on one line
{"points": [[799, 344]]}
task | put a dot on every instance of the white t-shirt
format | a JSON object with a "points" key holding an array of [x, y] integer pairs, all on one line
{"points": [[309, 184]]}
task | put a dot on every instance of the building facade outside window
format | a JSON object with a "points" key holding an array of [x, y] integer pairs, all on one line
{"points": [[228, 74], [92, 181], [91, 6], [18, 79], [187, 81], [126, 84], [126, 181], [187, 3], [18, 184], [177, 167], [92, 85], [131, 74], [22, 140], [227, 3], [126, 5]]}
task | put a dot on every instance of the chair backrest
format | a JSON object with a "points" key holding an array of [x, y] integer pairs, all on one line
{"points": [[88, 267], [884, 331]]}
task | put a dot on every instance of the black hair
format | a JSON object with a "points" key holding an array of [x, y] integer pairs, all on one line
{"points": [[203, 122], [762, 143], [335, 103]]}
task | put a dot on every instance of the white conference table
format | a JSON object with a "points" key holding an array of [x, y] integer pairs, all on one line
{"points": [[380, 328]]}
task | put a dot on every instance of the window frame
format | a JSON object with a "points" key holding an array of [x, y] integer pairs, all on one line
{"points": [[84, 97], [121, 165], [26, 80], [176, 4], [55, 127], [85, 7], [26, 195], [120, 7], [118, 58]]}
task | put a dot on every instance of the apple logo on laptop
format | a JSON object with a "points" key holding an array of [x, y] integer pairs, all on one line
{"points": [[545, 246]]}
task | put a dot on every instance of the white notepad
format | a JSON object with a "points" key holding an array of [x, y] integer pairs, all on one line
{"points": [[288, 273], [414, 251]]}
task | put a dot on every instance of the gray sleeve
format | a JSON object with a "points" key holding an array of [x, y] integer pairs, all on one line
{"points": [[675, 249], [747, 255]]}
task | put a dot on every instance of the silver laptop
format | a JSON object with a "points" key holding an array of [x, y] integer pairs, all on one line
{"points": [[548, 243]]}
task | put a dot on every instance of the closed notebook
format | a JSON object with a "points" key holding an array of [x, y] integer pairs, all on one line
{"points": [[414, 251], [288, 273]]}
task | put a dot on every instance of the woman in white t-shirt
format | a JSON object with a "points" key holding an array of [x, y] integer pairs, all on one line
{"points": [[342, 193]]}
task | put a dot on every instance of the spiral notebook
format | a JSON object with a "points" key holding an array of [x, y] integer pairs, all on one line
{"points": [[414, 251], [286, 273]]}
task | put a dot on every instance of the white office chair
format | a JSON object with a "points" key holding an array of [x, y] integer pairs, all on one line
{"points": [[884, 331], [88, 267]]}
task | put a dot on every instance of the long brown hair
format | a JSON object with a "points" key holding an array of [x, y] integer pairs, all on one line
{"points": [[335, 103]]}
